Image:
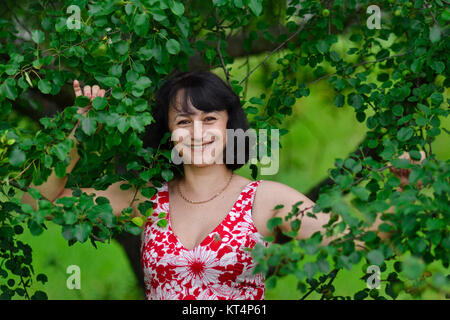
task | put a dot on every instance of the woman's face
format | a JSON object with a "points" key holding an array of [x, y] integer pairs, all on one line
{"points": [[199, 137]]}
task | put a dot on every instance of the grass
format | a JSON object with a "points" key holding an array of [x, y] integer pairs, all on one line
{"points": [[105, 273]]}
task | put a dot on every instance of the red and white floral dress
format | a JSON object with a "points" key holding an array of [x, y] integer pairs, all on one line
{"points": [[221, 267]]}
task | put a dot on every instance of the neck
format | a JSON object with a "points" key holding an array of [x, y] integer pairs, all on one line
{"points": [[201, 181]]}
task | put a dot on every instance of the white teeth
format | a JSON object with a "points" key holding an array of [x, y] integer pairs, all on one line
{"points": [[200, 146]]}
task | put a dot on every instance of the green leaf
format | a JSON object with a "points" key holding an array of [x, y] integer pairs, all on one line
{"points": [[8, 89], [35, 228], [438, 66], [37, 36], [356, 101], [141, 24], [82, 231], [123, 124], [360, 295], [121, 48], [107, 81], [405, 133], [132, 228], [138, 221], [360, 192], [45, 86], [39, 295], [99, 103], [42, 278], [413, 267], [256, 100], [115, 71], [48, 161], [295, 225], [397, 110], [148, 212], [60, 150], [148, 192], [70, 217], [88, 125], [274, 222], [17, 157], [255, 6], [251, 110], [177, 8], [340, 84], [34, 193], [143, 83], [162, 223], [436, 98], [67, 232], [167, 174], [323, 46], [376, 257], [310, 268], [158, 14], [173, 46], [162, 214], [82, 101], [435, 34]]}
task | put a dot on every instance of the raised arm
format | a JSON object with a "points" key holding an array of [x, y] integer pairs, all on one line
{"points": [[118, 198], [54, 185]]}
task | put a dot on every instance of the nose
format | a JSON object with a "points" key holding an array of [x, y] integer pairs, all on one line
{"points": [[198, 131]]}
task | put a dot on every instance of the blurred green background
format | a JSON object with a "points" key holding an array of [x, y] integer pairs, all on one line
{"points": [[318, 133]]}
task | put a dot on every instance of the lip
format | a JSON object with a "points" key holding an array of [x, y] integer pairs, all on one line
{"points": [[199, 146]]}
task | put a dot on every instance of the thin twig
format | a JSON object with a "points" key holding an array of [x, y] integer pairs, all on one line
{"points": [[302, 26], [81, 42], [358, 65], [431, 12], [227, 75]]}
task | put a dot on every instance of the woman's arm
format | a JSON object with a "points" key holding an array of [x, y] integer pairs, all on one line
{"points": [[287, 197], [54, 185], [118, 198]]}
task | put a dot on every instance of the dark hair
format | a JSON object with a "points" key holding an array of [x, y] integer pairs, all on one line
{"points": [[207, 92]]}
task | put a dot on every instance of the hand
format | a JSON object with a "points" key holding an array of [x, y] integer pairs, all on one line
{"points": [[89, 92], [403, 174]]}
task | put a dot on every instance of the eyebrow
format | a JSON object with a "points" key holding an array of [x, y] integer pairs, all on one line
{"points": [[185, 114]]}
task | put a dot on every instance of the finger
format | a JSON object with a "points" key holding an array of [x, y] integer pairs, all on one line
{"points": [[423, 155], [77, 88], [102, 92], [95, 89], [405, 155], [87, 91]]}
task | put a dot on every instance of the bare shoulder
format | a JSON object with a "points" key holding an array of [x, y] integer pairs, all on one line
{"points": [[241, 181], [271, 194]]}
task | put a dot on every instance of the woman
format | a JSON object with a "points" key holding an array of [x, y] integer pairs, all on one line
{"points": [[213, 216]]}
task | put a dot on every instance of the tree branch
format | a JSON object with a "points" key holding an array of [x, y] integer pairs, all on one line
{"points": [[302, 26]]}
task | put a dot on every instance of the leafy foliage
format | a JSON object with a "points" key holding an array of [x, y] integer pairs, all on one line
{"points": [[395, 78]]}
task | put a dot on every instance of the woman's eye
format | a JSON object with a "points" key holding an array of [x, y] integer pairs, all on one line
{"points": [[183, 122], [210, 119]]}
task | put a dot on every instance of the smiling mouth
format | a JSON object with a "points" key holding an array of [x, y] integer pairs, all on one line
{"points": [[199, 146]]}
